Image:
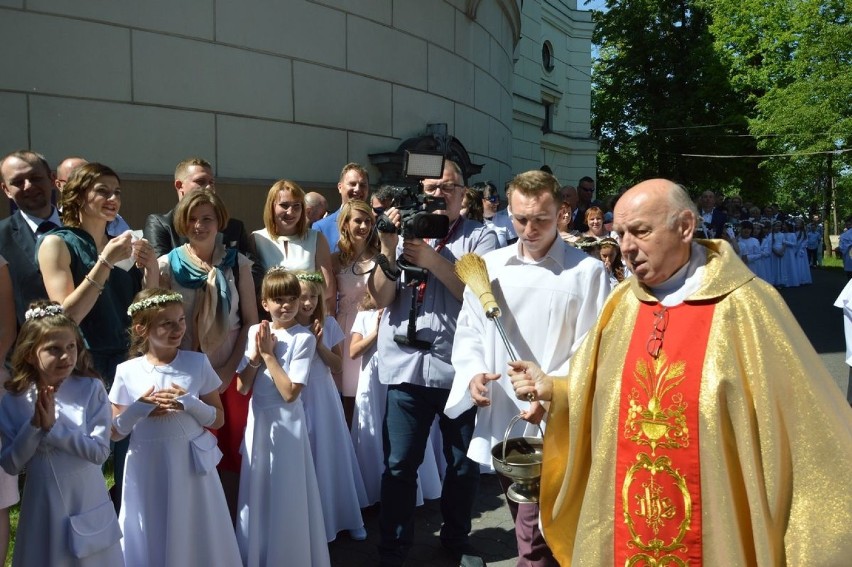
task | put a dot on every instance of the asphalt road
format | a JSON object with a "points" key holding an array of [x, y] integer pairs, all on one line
{"points": [[493, 531]]}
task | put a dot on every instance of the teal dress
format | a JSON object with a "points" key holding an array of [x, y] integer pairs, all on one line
{"points": [[105, 327]]}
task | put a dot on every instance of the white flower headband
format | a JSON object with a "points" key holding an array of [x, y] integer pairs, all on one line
{"points": [[315, 277], [154, 301], [46, 311]]}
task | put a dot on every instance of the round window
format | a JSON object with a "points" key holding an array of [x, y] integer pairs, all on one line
{"points": [[547, 56]]}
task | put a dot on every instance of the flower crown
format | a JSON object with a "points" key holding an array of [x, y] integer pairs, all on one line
{"points": [[315, 277], [154, 301], [277, 270], [46, 311]]}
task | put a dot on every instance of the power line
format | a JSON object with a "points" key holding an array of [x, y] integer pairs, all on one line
{"points": [[794, 154]]}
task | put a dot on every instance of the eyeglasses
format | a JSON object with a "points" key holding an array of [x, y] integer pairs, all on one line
{"points": [[655, 341], [443, 187], [493, 199]]}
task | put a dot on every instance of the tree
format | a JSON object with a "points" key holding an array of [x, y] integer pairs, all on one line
{"points": [[792, 59], [661, 93]]}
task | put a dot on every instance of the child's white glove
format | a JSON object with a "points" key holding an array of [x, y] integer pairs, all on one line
{"points": [[204, 414], [132, 414]]}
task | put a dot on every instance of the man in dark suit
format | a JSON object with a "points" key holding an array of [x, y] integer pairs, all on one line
{"points": [[712, 218], [585, 197], [191, 174], [26, 179]]}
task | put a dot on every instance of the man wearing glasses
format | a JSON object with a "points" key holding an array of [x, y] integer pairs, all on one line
{"points": [[419, 373], [697, 424]]}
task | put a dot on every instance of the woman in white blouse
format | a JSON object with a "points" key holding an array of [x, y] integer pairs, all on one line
{"points": [[287, 241]]}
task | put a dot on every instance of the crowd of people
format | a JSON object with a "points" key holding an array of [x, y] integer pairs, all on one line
{"points": [[264, 387]]}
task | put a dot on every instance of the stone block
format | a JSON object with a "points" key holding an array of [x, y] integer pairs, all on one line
{"points": [[370, 46], [472, 129], [13, 117], [128, 138], [192, 18], [487, 92], [413, 110], [376, 10], [434, 21], [259, 149], [43, 54], [450, 75], [285, 28], [339, 99], [186, 73]]}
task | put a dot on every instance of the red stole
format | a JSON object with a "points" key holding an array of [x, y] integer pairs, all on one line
{"points": [[657, 479]]}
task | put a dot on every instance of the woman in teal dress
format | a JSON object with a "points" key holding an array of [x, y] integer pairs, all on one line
{"points": [[78, 263]]}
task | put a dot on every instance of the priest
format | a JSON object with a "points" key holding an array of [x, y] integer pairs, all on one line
{"points": [[697, 425]]}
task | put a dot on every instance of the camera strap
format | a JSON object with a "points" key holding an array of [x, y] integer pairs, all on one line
{"points": [[421, 288]]}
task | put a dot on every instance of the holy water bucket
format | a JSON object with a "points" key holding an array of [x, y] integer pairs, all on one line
{"points": [[519, 458]]}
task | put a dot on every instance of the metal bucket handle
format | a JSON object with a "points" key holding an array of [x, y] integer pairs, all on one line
{"points": [[509, 430]]}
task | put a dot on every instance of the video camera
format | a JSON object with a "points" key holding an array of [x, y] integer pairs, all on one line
{"points": [[417, 220], [417, 209]]}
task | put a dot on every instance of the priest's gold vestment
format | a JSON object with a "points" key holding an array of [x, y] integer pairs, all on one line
{"points": [[775, 433]]}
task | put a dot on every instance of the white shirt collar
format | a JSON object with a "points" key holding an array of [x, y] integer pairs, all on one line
{"points": [[34, 222], [556, 253], [685, 281]]}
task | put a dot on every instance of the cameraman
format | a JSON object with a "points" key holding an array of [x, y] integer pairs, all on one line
{"points": [[419, 380]]}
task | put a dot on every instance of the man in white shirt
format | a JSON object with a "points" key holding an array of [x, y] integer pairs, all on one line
{"points": [[550, 295]]}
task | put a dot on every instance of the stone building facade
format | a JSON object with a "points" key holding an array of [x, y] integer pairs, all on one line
{"points": [[294, 88]]}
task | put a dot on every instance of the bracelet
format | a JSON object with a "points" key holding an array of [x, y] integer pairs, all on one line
{"points": [[384, 264], [95, 284], [253, 365], [105, 262]]}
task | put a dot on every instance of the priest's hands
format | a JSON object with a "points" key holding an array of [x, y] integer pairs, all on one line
{"points": [[529, 381]]}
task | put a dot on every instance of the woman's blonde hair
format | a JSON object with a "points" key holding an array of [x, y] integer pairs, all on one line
{"points": [[298, 194], [47, 317], [347, 249]]}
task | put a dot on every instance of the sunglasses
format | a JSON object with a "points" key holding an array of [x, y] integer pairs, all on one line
{"points": [[493, 199]]}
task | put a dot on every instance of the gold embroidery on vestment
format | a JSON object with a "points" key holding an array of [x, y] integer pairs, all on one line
{"points": [[656, 418], [652, 424]]}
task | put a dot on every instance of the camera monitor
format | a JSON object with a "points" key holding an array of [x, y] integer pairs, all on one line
{"points": [[423, 165]]}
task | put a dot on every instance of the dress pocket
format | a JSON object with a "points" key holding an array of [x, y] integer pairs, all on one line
{"points": [[93, 531], [205, 453]]}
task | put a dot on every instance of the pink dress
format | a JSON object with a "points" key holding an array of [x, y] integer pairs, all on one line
{"points": [[351, 287]]}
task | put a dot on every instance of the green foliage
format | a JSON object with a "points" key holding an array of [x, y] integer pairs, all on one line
{"points": [[726, 77], [793, 60], [660, 92]]}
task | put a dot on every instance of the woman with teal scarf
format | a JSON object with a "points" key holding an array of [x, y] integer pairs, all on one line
{"points": [[218, 299]]}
